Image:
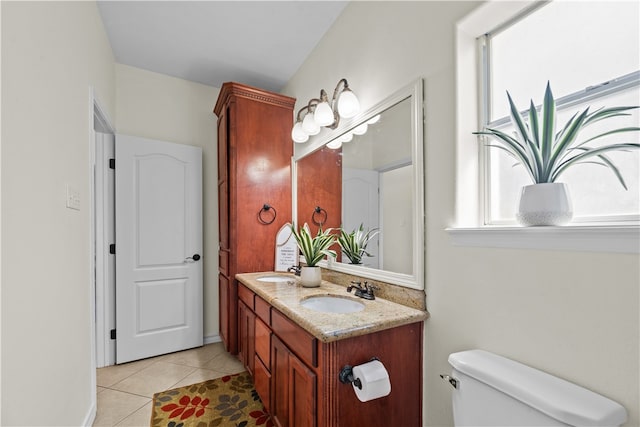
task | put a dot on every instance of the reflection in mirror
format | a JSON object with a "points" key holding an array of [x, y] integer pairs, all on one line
{"points": [[369, 171], [377, 190], [319, 178]]}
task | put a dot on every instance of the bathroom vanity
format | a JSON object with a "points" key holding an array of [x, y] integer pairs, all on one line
{"points": [[295, 353]]}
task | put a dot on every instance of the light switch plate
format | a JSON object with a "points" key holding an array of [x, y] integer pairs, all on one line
{"points": [[73, 198]]}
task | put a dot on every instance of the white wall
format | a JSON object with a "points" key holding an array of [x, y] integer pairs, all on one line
{"points": [[575, 315], [52, 52], [157, 106]]}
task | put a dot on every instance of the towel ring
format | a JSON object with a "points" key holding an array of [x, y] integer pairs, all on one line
{"points": [[266, 208], [319, 211]]}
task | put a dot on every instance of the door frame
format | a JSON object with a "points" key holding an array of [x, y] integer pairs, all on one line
{"points": [[101, 122], [105, 263]]}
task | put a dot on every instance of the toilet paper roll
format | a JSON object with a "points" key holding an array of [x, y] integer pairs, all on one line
{"points": [[374, 379]]}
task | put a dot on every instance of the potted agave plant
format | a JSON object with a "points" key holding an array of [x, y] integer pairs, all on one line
{"points": [[354, 244], [546, 153], [314, 249]]}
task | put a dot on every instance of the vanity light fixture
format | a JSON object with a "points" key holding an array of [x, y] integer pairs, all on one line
{"points": [[359, 130], [335, 144], [347, 137], [324, 113], [374, 120]]}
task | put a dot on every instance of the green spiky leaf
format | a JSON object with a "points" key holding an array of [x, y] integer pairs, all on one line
{"points": [[545, 153], [354, 244], [314, 249]]}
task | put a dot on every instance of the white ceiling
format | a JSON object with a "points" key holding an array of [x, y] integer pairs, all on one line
{"points": [[259, 43]]}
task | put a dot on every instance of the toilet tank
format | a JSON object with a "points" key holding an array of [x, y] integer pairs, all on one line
{"points": [[492, 390]]}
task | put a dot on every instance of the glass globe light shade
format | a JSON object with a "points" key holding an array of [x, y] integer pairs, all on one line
{"points": [[336, 143], [348, 104], [323, 114], [361, 130], [374, 119], [298, 134], [309, 125], [347, 137]]}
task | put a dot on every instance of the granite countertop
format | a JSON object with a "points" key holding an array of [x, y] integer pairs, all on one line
{"points": [[377, 315]]}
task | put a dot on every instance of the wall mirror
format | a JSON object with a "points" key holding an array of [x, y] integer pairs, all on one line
{"points": [[369, 170]]}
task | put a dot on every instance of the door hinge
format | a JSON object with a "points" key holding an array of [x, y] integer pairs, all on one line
{"points": [[113, 334], [112, 249], [112, 163]]}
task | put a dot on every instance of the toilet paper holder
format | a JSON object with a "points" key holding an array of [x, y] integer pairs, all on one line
{"points": [[346, 375]]}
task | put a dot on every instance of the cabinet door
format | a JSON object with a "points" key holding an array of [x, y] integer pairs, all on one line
{"points": [[293, 388], [302, 394], [246, 336], [262, 382], [279, 382]]}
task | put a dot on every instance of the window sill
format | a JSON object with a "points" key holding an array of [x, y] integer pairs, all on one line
{"points": [[613, 238]]}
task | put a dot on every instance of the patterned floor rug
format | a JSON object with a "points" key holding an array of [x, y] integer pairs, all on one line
{"points": [[228, 401]]}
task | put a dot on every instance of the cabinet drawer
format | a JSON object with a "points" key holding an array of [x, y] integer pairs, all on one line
{"points": [[263, 342], [245, 295], [262, 380], [304, 345], [263, 310]]}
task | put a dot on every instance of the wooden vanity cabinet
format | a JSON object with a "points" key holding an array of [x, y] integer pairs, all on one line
{"points": [[254, 169], [297, 379]]}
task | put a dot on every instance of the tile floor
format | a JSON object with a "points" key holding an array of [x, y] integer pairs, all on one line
{"points": [[125, 391]]}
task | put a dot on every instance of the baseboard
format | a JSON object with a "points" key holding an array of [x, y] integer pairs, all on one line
{"points": [[212, 339], [91, 415]]}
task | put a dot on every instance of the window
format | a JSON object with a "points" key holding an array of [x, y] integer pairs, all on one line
{"points": [[590, 54]]}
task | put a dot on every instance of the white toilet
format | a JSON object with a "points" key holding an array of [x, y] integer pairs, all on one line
{"points": [[491, 390]]}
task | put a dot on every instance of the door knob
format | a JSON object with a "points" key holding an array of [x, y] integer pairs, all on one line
{"points": [[195, 257]]}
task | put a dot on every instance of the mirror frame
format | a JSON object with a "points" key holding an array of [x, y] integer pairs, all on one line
{"points": [[414, 91]]}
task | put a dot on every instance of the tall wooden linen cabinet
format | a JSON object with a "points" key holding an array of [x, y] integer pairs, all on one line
{"points": [[254, 170]]}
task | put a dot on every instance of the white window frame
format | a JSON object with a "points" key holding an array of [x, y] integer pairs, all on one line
{"points": [[469, 228]]}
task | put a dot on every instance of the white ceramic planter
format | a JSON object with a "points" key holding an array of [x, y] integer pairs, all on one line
{"points": [[310, 277], [544, 204]]}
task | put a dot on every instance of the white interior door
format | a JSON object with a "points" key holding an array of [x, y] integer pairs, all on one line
{"points": [[158, 248], [360, 205]]}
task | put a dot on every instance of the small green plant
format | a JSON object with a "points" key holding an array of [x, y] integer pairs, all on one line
{"points": [[314, 249], [545, 153], [354, 244]]}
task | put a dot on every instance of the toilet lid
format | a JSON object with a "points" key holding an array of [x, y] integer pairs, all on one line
{"points": [[553, 396]]}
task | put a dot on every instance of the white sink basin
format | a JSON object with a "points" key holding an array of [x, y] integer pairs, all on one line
{"points": [[332, 304], [275, 278]]}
